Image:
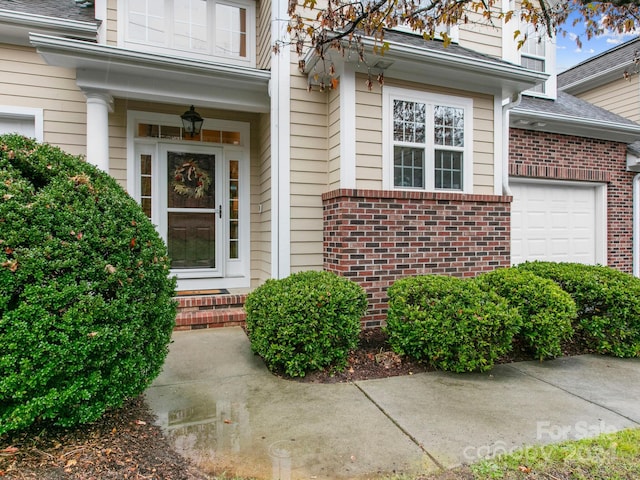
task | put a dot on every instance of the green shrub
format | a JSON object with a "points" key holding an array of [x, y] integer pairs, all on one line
{"points": [[608, 303], [449, 322], [86, 309], [546, 310], [307, 321]]}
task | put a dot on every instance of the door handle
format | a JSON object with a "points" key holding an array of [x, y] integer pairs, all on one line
{"points": [[220, 210]]}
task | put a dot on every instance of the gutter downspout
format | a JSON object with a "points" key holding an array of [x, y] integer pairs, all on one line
{"points": [[636, 226], [514, 101]]}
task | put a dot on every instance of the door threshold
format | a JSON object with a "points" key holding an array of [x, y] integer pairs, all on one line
{"points": [[215, 291]]}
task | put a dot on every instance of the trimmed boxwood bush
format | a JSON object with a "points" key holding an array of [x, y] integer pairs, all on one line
{"points": [[86, 308], [546, 310], [450, 323], [307, 321], [608, 303]]}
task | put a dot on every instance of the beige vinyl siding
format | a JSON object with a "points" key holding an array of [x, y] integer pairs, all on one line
{"points": [[483, 147], [368, 135], [27, 81], [261, 205], [620, 96], [309, 172], [112, 22], [480, 36], [118, 142], [263, 34], [334, 139]]}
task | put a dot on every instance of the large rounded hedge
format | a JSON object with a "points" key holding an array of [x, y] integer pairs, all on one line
{"points": [[546, 310], [608, 303], [307, 321], [449, 322], [86, 304]]}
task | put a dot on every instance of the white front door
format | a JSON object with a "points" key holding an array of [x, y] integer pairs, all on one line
{"points": [[191, 209], [196, 192]]}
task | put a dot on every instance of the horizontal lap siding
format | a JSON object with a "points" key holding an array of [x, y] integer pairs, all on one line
{"points": [[263, 43], [481, 37], [368, 135], [27, 81], [261, 205], [309, 171], [620, 96], [112, 22], [334, 139]]}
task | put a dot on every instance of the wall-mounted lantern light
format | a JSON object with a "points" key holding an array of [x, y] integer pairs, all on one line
{"points": [[192, 122]]}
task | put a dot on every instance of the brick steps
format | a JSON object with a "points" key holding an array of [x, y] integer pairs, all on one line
{"points": [[210, 311]]}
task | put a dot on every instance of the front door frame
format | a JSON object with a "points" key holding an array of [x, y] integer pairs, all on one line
{"points": [[219, 198], [235, 272]]}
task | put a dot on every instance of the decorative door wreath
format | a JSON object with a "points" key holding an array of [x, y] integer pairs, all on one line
{"points": [[190, 180]]}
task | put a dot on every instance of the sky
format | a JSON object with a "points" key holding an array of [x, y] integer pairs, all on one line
{"points": [[569, 54]]}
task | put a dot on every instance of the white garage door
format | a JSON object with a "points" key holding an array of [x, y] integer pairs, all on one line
{"points": [[557, 222]]}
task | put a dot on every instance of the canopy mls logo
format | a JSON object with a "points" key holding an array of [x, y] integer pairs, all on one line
{"points": [[545, 430]]}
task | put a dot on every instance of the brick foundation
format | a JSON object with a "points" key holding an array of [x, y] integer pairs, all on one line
{"points": [[377, 237], [566, 157]]}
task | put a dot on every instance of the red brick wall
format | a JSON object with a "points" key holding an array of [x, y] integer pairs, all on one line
{"points": [[376, 237], [564, 157]]}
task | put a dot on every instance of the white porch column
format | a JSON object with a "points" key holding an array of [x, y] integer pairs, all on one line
{"points": [[99, 104]]}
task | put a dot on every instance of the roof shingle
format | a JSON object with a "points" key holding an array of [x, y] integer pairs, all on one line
{"points": [[568, 105], [64, 9], [619, 56]]}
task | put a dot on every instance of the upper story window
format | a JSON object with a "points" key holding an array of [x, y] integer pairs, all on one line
{"points": [[428, 141], [208, 29], [533, 56]]}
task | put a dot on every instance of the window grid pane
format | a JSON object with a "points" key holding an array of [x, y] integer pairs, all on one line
{"points": [[231, 31], [203, 27], [234, 184], [448, 170], [448, 126], [535, 64], [145, 184], [408, 169], [190, 25], [409, 121]]}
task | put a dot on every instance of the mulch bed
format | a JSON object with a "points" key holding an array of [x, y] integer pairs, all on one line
{"points": [[375, 359], [125, 444]]}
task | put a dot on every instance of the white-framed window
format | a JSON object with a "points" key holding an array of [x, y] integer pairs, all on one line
{"points": [[23, 120], [428, 141], [218, 30], [533, 55]]}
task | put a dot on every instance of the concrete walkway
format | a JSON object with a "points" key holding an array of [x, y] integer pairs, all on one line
{"points": [[221, 407]]}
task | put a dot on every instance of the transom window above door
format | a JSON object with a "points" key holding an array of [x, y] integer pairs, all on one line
{"points": [[428, 141], [208, 29]]}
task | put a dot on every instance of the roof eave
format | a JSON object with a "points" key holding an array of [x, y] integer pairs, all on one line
{"points": [[569, 125], [148, 76], [410, 59], [16, 27]]}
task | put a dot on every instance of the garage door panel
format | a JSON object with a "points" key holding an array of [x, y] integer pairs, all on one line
{"points": [[552, 221]]}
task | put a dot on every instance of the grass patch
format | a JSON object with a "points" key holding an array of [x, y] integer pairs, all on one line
{"points": [[612, 456]]}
